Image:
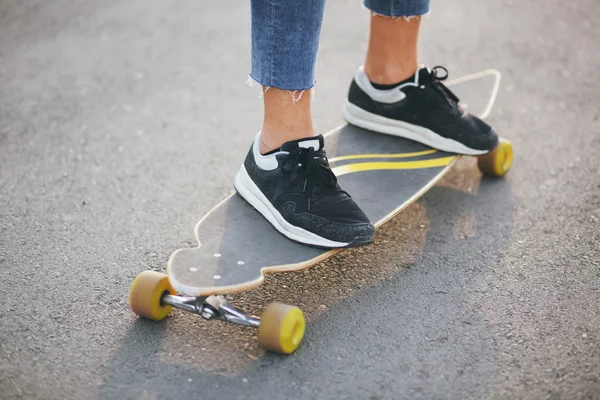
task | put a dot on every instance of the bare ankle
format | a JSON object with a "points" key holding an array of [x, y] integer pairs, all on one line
{"points": [[268, 142], [287, 117], [271, 138], [392, 53], [389, 75]]}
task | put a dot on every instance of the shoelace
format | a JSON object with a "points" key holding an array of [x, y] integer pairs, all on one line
{"points": [[436, 80], [312, 165]]}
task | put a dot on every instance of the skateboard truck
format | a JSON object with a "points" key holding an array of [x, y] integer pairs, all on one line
{"points": [[212, 307], [280, 328]]}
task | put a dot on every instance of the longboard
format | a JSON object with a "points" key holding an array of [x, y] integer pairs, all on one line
{"points": [[237, 246]]}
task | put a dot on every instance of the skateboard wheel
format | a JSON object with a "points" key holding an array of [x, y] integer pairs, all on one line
{"points": [[498, 161], [281, 328], [146, 293]]}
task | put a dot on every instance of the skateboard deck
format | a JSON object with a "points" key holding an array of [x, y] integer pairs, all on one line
{"points": [[237, 246]]}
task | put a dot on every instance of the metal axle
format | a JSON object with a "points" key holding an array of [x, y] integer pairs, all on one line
{"points": [[212, 307]]}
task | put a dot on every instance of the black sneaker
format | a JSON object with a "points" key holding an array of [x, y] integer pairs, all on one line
{"points": [[296, 191], [420, 108]]}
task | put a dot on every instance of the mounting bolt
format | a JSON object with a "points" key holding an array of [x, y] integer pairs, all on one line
{"points": [[207, 313]]}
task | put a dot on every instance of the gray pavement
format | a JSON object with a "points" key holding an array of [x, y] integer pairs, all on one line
{"points": [[122, 123]]}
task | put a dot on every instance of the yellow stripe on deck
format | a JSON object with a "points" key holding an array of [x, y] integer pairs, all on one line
{"points": [[388, 165], [400, 155]]}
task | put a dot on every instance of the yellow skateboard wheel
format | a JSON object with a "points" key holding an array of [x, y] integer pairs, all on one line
{"points": [[281, 328], [146, 293], [498, 161]]}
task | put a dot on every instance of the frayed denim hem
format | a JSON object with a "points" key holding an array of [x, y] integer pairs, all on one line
{"points": [[296, 94], [407, 9], [405, 17]]}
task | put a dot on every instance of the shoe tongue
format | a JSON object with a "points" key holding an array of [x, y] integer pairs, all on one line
{"points": [[423, 74], [316, 142]]}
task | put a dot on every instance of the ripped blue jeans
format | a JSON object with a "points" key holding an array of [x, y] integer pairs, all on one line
{"points": [[285, 37]]}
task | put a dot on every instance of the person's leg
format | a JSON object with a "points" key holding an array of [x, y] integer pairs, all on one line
{"points": [[286, 175], [285, 118], [393, 39], [285, 39], [392, 51], [391, 95]]}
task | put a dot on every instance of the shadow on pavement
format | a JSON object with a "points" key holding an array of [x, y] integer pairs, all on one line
{"points": [[406, 306]]}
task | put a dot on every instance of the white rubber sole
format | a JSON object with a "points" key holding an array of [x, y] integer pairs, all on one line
{"points": [[364, 119], [252, 194]]}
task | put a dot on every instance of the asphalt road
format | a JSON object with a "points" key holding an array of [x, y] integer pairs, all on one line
{"points": [[122, 123]]}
